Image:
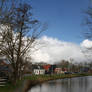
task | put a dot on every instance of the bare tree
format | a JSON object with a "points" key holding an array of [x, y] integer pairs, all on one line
{"points": [[88, 33], [88, 23], [18, 32]]}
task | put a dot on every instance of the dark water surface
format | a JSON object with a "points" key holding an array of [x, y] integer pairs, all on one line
{"points": [[79, 84]]}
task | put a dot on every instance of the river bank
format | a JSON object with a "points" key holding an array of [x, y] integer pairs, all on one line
{"points": [[77, 84], [29, 81], [36, 80]]}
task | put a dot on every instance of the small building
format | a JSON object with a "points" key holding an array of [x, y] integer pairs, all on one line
{"points": [[39, 71], [59, 71], [49, 69]]}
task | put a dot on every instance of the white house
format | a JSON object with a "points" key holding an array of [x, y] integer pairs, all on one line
{"points": [[39, 71]]}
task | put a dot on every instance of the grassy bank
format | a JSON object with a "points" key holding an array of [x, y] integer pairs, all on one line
{"points": [[42, 78], [35, 80], [30, 81]]}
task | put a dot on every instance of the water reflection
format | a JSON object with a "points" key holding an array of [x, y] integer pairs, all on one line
{"points": [[81, 84]]}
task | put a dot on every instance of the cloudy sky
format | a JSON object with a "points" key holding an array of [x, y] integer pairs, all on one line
{"points": [[63, 38], [52, 50]]}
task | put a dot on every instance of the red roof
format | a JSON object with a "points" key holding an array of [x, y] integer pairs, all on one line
{"points": [[46, 67]]}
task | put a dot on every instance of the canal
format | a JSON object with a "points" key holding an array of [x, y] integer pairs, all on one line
{"points": [[79, 84]]}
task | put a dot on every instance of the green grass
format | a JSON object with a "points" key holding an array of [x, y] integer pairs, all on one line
{"points": [[54, 76]]}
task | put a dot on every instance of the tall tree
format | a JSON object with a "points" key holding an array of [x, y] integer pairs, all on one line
{"points": [[18, 32], [88, 33], [88, 23]]}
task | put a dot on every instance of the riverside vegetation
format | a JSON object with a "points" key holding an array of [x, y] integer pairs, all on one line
{"points": [[33, 80]]}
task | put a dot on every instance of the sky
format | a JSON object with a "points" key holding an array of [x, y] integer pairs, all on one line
{"points": [[64, 18], [52, 50], [63, 39]]}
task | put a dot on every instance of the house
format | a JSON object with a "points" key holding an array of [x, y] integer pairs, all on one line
{"points": [[38, 70], [60, 70], [52, 69], [43, 69], [46, 67], [49, 69]]}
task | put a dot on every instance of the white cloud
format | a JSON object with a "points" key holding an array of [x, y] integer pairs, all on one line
{"points": [[86, 44], [54, 50]]}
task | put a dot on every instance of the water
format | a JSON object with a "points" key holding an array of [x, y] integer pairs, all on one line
{"points": [[79, 84]]}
